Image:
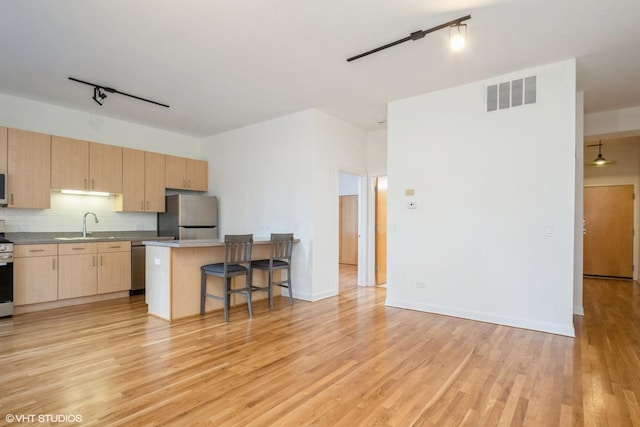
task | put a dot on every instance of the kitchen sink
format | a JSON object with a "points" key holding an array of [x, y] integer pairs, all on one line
{"points": [[86, 238]]}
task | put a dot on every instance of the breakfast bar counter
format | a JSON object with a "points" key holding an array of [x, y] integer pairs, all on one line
{"points": [[173, 276]]}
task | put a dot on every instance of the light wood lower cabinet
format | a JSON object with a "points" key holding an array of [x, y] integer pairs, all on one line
{"points": [[50, 272], [35, 274], [77, 271], [114, 267]]}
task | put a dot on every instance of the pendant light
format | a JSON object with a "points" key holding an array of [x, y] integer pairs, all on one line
{"points": [[599, 160]]}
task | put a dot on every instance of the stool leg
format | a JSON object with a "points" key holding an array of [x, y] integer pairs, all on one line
{"points": [[289, 283], [227, 287], [203, 290], [248, 285], [270, 290]]}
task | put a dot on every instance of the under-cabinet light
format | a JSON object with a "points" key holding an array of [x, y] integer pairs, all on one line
{"points": [[85, 193]]}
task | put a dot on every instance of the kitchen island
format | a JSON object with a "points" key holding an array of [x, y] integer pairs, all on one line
{"points": [[173, 276]]}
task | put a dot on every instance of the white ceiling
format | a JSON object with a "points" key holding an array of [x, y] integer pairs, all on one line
{"points": [[221, 65]]}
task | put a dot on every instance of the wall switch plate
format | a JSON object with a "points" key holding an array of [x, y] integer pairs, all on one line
{"points": [[23, 227], [412, 205], [156, 261]]}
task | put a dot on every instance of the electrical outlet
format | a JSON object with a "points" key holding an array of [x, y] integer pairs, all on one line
{"points": [[412, 205], [421, 285], [23, 227]]}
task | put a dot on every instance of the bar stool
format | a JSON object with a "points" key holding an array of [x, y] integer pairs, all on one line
{"points": [[237, 262], [279, 259]]}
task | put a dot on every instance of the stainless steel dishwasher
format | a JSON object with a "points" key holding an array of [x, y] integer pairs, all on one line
{"points": [[138, 255], [137, 267]]}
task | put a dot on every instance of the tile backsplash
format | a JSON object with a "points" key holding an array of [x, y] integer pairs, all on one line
{"points": [[66, 215]]}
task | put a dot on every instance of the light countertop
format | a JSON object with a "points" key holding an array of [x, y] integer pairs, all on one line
{"points": [[201, 243]]}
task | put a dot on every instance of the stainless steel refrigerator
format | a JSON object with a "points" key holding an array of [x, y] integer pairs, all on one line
{"points": [[189, 217]]}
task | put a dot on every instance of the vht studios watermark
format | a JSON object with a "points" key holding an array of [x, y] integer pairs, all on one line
{"points": [[43, 418]]}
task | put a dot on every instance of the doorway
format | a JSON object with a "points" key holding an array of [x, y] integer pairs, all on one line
{"points": [[349, 224], [380, 187], [608, 240]]}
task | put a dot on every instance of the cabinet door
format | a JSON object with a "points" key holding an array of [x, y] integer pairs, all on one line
{"points": [[105, 168], [197, 175], [176, 172], [35, 280], [29, 169], [154, 178], [77, 276], [3, 149], [133, 181], [69, 164], [114, 272]]}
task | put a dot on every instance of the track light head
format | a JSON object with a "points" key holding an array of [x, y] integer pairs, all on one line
{"points": [[457, 36], [99, 95]]}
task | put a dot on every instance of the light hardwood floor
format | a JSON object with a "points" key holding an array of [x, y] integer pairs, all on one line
{"points": [[344, 361]]}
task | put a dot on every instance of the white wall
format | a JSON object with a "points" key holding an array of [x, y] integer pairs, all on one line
{"points": [[475, 247], [66, 211], [620, 122], [348, 184], [282, 176], [377, 152]]}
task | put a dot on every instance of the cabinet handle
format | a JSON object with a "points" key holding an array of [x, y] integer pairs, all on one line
{"points": [[94, 261], [184, 182], [100, 259], [12, 198], [147, 205], [85, 183], [188, 183], [141, 205], [54, 263], [77, 249], [36, 250], [115, 247], [93, 184]]}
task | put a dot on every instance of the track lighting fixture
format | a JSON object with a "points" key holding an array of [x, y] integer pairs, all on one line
{"points": [[457, 36], [100, 93]]}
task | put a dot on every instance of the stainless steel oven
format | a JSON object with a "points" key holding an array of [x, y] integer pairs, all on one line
{"points": [[6, 279]]}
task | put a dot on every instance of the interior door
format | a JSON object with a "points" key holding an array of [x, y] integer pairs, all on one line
{"points": [[608, 242], [381, 230], [349, 230]]}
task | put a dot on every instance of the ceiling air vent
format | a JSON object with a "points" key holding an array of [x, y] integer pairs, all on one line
{"points": [[514, 93]]}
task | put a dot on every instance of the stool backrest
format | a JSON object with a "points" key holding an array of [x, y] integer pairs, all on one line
{"points": [[237, 248], [281, 246]]}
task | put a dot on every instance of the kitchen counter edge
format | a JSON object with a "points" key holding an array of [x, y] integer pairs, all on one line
{"points": [[201, 243]]}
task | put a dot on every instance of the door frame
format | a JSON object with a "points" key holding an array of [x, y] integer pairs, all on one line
{"points": [[363, 225]]}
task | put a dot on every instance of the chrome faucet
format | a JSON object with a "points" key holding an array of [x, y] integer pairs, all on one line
{"points": [[84, 223]]}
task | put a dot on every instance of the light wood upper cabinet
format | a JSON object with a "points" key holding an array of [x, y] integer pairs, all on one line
{"points": [[83, 165], [69, 164], [28, 169], [105, 168], [35, 274], [154, 172], [176, 172], [198, 175], [132, 197], [186, 174], [142, 182], [3, 149]]}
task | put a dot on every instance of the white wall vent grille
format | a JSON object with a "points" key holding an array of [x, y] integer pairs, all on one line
{"points": [[511, 94]]}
